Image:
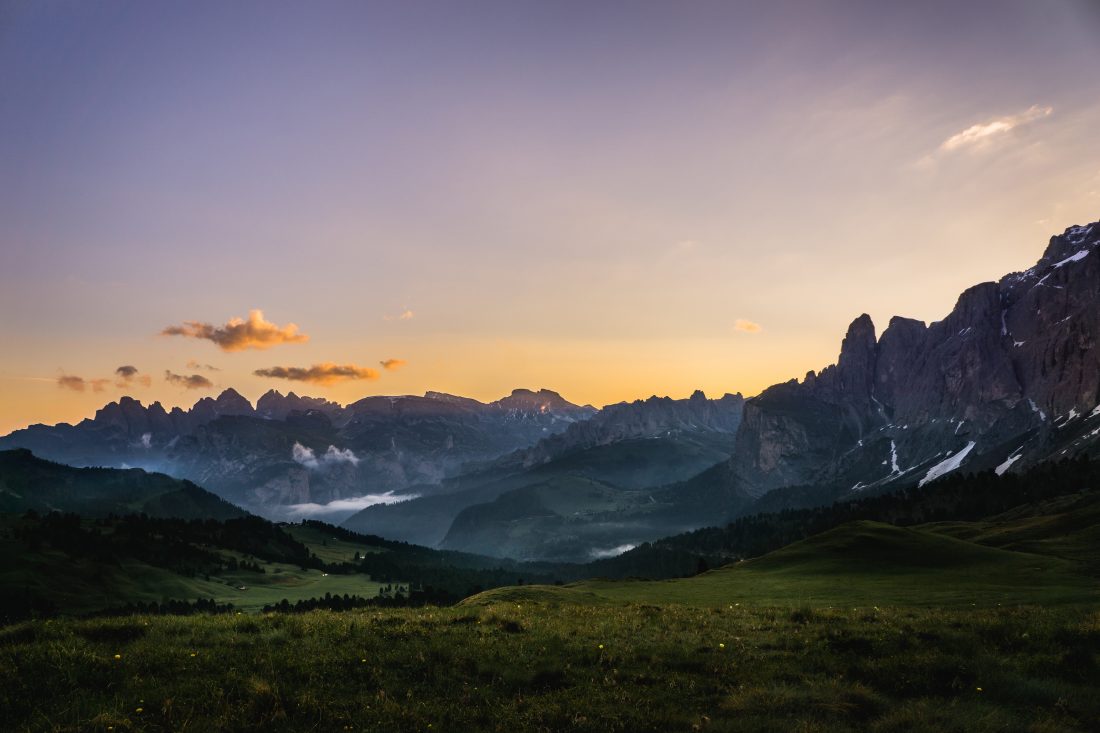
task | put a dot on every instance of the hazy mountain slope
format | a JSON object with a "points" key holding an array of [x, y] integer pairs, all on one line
{"points": [[628, 448], [30, 483], [299, 450]]}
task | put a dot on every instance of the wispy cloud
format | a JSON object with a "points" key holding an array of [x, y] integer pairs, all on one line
{"points": [[983, 134], [69, 381], [349, 505], [405, 315], [196, 365], [746, 326], [239, 334], [393, 364], [325, 373], [188, 381], [128, 375]]}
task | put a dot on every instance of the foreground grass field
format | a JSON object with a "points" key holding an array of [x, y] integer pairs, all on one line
{"points": [[606, 667], [864, 627]]}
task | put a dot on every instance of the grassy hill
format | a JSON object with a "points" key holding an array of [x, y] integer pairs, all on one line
{"points": [[1064, 526], [858, 564], [30, 483], [866, 626]]}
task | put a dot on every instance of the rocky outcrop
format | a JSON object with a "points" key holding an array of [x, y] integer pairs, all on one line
{"points": [[1009, 377]]}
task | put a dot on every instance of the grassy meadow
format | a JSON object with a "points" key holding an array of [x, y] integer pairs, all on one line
{"points": [[866, 627], [505, 666]]}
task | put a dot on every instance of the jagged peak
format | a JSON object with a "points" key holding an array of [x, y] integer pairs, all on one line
{"points": [[230, 394]]}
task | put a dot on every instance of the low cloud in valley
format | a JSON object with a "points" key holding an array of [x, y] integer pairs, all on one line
{"points": [[333, 456]]}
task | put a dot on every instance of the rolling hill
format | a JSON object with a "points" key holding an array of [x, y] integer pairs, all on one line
{"points": [[28, 483], [858, 564]]}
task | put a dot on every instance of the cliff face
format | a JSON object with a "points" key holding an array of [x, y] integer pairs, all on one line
{"points": [[1011, 376]]}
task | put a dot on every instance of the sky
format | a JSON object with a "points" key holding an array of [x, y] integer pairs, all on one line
{"points": [[607, 199]]}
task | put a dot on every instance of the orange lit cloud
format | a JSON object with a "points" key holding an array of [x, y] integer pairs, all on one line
{"points": [[405, 315], [188, 381], [68, 381], [393, 364], [127, 376], [239, 334], [326, 373], [745, 326]]}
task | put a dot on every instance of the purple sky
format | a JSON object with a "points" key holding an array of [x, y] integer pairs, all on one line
{"points": [[582, 196]]}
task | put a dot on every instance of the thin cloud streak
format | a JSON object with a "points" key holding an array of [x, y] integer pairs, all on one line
{"points": [[192, 381], [324, 374], [980, 135], [68, 381], [746, 326], [393, 364], [192, 364]]}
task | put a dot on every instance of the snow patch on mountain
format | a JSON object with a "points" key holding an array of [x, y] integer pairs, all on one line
{"points": [[947, 465]]}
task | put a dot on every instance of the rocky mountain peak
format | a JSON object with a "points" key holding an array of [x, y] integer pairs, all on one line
{"points": [[994, 376], [1073, 240], [231, 402], [855, 367]]}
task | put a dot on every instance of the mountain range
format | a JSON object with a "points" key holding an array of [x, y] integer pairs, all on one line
{"points": [[1009, 379], [292, 450]]}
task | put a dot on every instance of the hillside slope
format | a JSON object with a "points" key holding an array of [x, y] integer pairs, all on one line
{"points": [[30, 483]]}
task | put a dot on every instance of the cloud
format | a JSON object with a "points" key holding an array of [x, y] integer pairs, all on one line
{"points": [[981, 135], [349, 505], [195, 365], [68, 381], [333, 456], [98, 385], [325, 373], [238, 334], [127, 375], [602, 553], [405, 315], [746, 326], [193, 381], [393, 364]]}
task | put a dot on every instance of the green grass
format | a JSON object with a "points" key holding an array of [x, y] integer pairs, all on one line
{"points": [[604, 667], [327, 547], [1066, 526], [861, 564], [83, 585], [867, 627]]}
